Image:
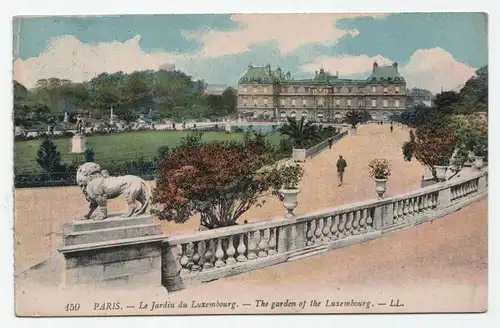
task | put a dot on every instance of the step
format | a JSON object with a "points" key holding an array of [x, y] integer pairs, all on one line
{"points": [[308, 251], [114, 220], [107, 234]]}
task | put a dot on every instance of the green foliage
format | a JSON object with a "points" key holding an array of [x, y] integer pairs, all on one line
{"points": [[89, 154], [353, 117], [48, 157], [409, 147], [300, 132]]}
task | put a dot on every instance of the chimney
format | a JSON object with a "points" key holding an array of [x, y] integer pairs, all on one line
{"points": [[375, 66], [395, 65], [321, 70]]}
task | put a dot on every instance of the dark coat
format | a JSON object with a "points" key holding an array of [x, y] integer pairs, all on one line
{"points": [[341, 165]]}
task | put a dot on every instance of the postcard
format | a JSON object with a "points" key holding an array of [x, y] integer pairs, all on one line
{"points": [[194, 164]]}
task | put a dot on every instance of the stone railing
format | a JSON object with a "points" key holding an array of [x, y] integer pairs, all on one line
{"points": [[207, 255], [310, 152]]}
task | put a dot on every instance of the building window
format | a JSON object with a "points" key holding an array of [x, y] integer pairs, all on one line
{"points": [[265, 101], [349, 90], [320, 101], [265, 89], [337, 102], [374, 102], [244, 102], [349, 102], [396, 103], [397, 89], [293, 102], [290, 90], [385, 90], [304, 102], [361, 103], [374, 89], [385, 102], [306, 89], [254, 90], [282, 102], [245, 89], [338, 90]]}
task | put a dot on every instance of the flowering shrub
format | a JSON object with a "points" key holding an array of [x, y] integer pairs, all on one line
{"points": [[288, 176], [218, 180], [379, 168]]}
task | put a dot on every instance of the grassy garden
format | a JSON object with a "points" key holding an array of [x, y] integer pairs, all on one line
{"points": [[116, 148]]}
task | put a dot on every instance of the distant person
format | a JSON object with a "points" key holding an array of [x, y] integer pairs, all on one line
{"points": [[330, 143], [392, 128], [341, 165]]}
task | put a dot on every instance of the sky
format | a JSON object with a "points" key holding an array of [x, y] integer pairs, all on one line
{"points": [[436, 51]]}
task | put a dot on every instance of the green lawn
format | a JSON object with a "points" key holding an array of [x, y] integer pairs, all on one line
{"points": [[116, 148]]}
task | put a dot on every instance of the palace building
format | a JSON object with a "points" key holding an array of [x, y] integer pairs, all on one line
{"points": [[264, 93]]}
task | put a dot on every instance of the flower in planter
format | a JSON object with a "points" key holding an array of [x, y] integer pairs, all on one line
{"points": [[379, 168]]}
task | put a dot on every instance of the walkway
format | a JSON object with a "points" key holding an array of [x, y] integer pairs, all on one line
{"points": [[40, 212], [438, 266]]}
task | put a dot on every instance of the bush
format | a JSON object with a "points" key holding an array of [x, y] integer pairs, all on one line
{"points": [[218, 180], [379, 168]]}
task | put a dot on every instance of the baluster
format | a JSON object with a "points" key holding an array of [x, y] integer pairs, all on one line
{"points": [[272, 241], [410, 206], [369, 220], [362, 221], [341, 226], [317, 231], [327, 223], [184, 260], [252, 246], [309, 233], [348, 225], [355, 222], [196, 258], [335, 228], [230, 251], [241, 249], [405, 207], [395, 208], [400, 209], [434, 199], [208, 257], [219, 254], [262, 244]]}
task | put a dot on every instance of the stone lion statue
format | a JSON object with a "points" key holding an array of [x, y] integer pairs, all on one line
{"points": [[98, 186]]}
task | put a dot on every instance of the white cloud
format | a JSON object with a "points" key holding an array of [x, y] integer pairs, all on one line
{"points": [[290, 30], [431, 69], [436, 68], [67, 57]]}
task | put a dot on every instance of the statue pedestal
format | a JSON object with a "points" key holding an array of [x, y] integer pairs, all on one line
{"points": [[114, 251], [78, 144]]}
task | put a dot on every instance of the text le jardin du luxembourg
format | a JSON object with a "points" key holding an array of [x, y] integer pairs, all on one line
{"points": [[151, 306]]}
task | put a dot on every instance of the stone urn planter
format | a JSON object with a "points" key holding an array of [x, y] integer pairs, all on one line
{"points": [[290, 200], [478, 162], [352, 131], [299, 155], [441, 172], [380, 187]]}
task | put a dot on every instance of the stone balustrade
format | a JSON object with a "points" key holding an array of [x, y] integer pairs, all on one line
{"points": [[207, 255], [310, 152]]}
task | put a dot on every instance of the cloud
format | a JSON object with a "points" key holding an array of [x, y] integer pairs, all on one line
{"points": [[67, 57], [290, 30], [431, 69], [436, 68]]}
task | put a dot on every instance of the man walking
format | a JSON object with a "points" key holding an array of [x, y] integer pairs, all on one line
{"points": [[330, 143], [341, 165], [392, 128]]}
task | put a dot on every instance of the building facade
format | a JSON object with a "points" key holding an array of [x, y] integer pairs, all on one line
{"points": [[264, 93]]}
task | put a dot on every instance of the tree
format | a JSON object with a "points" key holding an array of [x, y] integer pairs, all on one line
{"points": [[89, 155], [353, 117], [229, 101], [48, 157], [301, 132], [446, 102], [218, 180]]}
